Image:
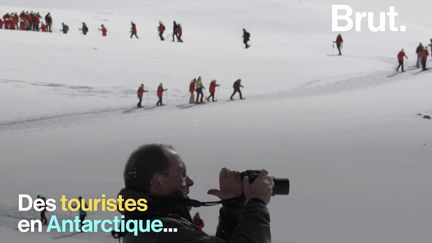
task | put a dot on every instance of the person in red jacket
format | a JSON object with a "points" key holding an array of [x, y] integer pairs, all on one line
{"points": [[179, 33], [161, 29], [400, 57], [140, 94], [237, 85], [104, 30], [160, 91], [197, 221], [35, 21], [212, 90], [7, 22], [43, 27], [192, 91], [133, 30], [22, 25], [424, 57], [1, 23], [339, 42]]}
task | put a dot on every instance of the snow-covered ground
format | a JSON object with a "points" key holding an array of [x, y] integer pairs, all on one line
{"points": [[344, 130]]}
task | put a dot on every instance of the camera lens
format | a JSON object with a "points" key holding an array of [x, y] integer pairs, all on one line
{"points": [[281, 186]]}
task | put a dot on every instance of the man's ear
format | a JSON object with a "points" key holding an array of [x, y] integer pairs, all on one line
{"points": [[156, 184]]}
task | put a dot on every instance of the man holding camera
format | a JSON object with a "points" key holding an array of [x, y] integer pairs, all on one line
{"points": [[157, 173]]}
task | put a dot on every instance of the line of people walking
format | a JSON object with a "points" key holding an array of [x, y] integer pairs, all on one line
{"points": [[31, 21], [421, 52], [196, 92], [422, 57]]}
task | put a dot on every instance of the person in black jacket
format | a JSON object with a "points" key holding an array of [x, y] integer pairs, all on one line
{"points": [[237, 89], [157, 173], [84, 28], [175, 29], [43, 209], [65, 28], [48, 21], [419, 51], [246, 38], [430, 45]]}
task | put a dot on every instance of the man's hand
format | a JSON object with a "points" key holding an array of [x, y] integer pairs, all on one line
{"points": [[230, 185], [261, 188]]}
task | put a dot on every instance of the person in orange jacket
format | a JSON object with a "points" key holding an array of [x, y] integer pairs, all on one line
{"points": [[192, 91], [104, 30], [400, 57], [160, 91], [339, 42], [140, 94], [161, 29], [424, 57], [133, 30], [212, 90], [197, 221]]}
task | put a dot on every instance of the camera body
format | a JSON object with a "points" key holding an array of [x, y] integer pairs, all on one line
{"points": [[281, 185]]}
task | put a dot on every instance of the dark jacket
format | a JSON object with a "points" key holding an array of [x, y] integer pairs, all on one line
{"points": [[419, 50], [84, 29], [246, 35], [248, 223], [237, 84]]}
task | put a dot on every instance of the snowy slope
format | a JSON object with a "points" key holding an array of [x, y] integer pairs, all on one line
{"points": [[343, 129]]}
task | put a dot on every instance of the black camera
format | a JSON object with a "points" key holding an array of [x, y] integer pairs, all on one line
{"points": [[281, 185]]}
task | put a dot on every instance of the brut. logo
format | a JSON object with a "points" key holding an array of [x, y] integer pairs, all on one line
{"points": [[344, 14]]}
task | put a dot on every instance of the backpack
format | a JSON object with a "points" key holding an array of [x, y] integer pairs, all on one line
{"points": [[235, 85]]}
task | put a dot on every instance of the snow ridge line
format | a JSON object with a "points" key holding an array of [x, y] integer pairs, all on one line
{"points": [[28, 121], [75, 90], [336, 85]]}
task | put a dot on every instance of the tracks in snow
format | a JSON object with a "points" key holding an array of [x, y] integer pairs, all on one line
{"points": [[316, 87]]}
